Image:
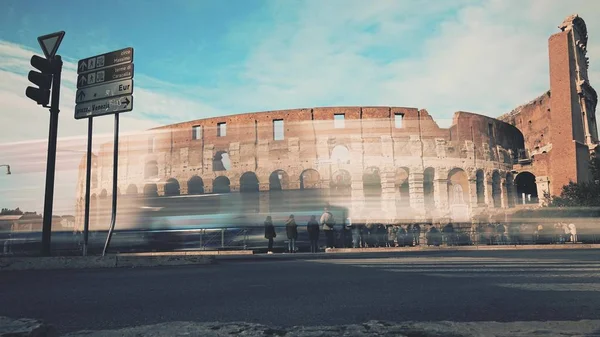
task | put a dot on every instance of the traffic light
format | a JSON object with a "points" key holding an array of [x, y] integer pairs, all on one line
{"points": [[43, 80]]}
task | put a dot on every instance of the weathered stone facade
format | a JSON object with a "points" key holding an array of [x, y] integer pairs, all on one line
{"points": [[388, 162]]}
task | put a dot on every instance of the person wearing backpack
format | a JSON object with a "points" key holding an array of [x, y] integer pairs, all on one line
{"points": [[328, 222]]}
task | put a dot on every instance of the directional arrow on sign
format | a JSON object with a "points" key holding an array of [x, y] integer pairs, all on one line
{"points": [[82, 80], [125, 101], [82, 66], [80, 96]]}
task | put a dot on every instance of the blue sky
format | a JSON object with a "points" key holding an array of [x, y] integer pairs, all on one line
{"points": [[200, 58]]}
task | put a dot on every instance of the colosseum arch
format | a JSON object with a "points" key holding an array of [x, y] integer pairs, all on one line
{"points": [[172, 187], [372, 189], [309, 179], [151, 169], [103, 194], [428, 188], [341, 183], [221, 185], [150, 190], [496, 189], [510, 190], [249, 182], [480, 186], [132, 189], [340, 155], [221, 161], [279, 180], [402, 186], [195, 185], [526, 188], [458, 187]]}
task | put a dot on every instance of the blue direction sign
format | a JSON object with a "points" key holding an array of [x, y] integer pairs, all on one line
{"points": [[105, 60], [118, 72], [101, 107]]}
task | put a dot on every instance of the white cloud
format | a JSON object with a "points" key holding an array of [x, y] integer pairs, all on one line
{"points": [[485, 56], [23, 140]]}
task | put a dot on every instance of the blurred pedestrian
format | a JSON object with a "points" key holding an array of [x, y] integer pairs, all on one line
{"points": [[270, 233], [328, 223], [291, 229], [313, 234]]}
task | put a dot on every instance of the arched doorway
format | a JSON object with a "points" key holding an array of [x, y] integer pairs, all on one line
{"points": [[150, 190], [278, 180], [372, 190], [402, 187], [221, 161], [341, 184], [340, 155], [132, 190], [221, 185], [526, 188], [249, 182], [458, 194], [172, 187], [428, 178], [195, 185], [309, 179]]}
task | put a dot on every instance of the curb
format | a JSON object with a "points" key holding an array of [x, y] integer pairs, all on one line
{"points": [[112, 261], [463, 248]]}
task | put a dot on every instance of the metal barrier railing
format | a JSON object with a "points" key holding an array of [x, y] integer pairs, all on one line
{"points": [[252, 238]]}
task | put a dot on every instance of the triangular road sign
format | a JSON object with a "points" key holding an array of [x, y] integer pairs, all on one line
{"points": [[50, 43]]}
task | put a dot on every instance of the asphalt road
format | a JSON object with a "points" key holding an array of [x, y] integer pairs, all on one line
{"points": [[428, 286]]}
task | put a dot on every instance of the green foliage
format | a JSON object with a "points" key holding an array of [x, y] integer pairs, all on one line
{"points": [[585, 194], [6, 211]]}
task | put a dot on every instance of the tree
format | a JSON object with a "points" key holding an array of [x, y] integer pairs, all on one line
{"points": [[584, 194], [6, 211]]}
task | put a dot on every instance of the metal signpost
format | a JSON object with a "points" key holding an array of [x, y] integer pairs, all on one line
{"points": [[105, 87], [50, 69]]}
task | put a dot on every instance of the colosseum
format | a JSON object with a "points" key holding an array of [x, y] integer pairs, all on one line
{"points": [[392, 162]]}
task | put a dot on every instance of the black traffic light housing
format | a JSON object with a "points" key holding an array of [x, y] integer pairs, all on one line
{"points": [[42, 79]]}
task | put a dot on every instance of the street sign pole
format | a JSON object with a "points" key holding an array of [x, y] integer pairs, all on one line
{"points": [[104, 87], [51, 162], [88, 175]]}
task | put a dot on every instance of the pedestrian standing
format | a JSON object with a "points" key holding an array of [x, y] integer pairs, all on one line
{"points": [[291, 229], [270, 233], [328, 223], [313, 234]]}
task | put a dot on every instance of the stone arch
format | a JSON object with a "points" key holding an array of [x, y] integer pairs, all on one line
{"points": [[151, 169], [340, 155], [372, 190], [221, 185], [341, 183], [510, 190], [480, 186], [428, 188], [402, 186], [458, 187], [151, 190], [525, 183], [278, 180], [221, 161], [249, 182], [103, 194], [309, 179], [195, 185], [172, 187], [132, 189], [496, 189]]}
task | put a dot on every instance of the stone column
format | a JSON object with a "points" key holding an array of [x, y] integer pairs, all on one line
{"points": [[208, 158], [161, 188], [208, 185], [415, 186], [503, 192], [183, 186], [473, 192], [440, 191], [543, 186], [263, 198], [234, 156], [489, 189], [357, 207], [388, 192]]}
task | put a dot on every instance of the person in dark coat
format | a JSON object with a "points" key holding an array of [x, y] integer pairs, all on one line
{"points": [[270, 233], [291, 229], [313, 234]]}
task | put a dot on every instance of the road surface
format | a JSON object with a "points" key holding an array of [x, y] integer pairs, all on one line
{"points": [[426, 286]]}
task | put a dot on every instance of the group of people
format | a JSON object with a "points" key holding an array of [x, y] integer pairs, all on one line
{"points": [[374, 234]]}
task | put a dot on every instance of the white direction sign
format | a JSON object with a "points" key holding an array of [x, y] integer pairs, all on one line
{"points": [[104, 107], [107, 90]]}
